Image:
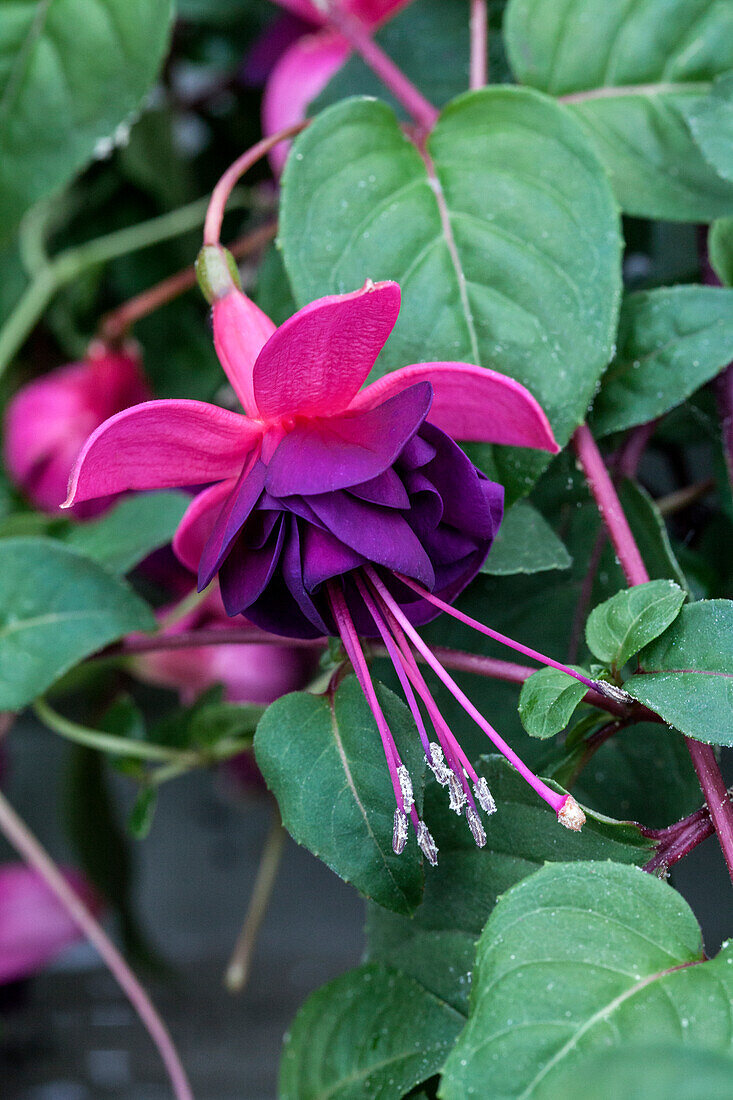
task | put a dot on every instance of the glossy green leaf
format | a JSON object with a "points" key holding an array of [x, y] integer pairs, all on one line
{"points": [[578, 958], [632, 73], [372, 1032], [711, 122], [655, 1071], [71, 72], [56, 607], [122, 537], [720, 249], [525, 544], [671, 341], [322, 758], [506, 248], [621, 626], [140, 819], [547, 701], [650, 531], [434, 946], [687, 673]]}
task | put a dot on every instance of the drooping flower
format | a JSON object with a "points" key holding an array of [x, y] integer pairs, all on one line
{"points": [[34, 926], [335, 509], [48, 420], [304, 69], [257, 673]]}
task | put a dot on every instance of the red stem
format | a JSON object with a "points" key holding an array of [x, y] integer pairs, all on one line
{"points": [[703, 756], [404, 91]]}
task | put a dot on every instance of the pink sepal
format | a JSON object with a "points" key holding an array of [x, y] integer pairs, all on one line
{"points": [[241, 330], [159, 445], [316, 361], [471, 403], [34, 926], [198, 522]]}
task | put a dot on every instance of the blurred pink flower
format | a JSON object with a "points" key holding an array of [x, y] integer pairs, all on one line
{"points": [[305, 68], [249, 673], [34, 926], [48, 421]]}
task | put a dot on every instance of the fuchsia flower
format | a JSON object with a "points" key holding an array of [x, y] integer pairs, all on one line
{"points": [[34, 926], [305, 68], [249, 674], [47, 421], [335, 509]]}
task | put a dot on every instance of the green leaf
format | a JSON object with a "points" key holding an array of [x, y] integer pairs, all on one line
{"points": [[71, 72], [711, 122], [434, 946], [216, 722], [720, 249], [650, 532], [579, 958], [122, 537], [273, 294], [141, 816], [631, 74], [56, 607], [671, 341], [687, 673], [525, 544], [322, 758], [621, 626], [654, 1071], [547, 701], [506, 250], [371, 1032]]}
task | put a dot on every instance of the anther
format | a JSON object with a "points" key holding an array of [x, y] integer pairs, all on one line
{"points": [[436, 763], [399, 834], [408, 798], [457, 794], [484, 796], [474, 824], [570, 815], [427, 845]]}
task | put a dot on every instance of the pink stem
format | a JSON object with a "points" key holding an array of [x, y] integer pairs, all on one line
{"points": [[553, 799], [223, 189], [634, 446], [724, 398], [479, 39], [404, 91], [703, 756], [36, 857], [604, 494]]}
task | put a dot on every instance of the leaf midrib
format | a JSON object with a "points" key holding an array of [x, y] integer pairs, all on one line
{"points": [[23, 56]]}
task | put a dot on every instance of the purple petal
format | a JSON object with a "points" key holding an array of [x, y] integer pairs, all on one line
{"points": [[241, 501], [385, 489], [246, 572], [323, 455]]}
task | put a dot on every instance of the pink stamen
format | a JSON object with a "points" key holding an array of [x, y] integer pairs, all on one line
{"points": [[553, 799], [595, 685]]}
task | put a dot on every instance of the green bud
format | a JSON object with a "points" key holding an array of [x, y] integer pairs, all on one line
{"points": [[216, 272]]}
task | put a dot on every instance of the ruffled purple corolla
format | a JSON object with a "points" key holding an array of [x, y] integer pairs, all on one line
{"points": [[335, 509]]}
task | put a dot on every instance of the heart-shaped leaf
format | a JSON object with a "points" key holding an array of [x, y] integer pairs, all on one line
{"points": [[72, 72], [504, 240], [633, 74], [575, 959], [687, 673], [56, 607], [322, 758]]}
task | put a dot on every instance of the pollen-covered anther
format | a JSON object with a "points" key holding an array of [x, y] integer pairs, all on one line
{"points": [[474, 824], [484, 796], [457, 794], [436, 763], [399, 833], [611, 691], [428, 847], [408, 797], [570, 815]]}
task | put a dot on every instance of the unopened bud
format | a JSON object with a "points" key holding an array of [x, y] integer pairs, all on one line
{"points": [[474, 824], [399, 833], [216, 271], [428, 846]]}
